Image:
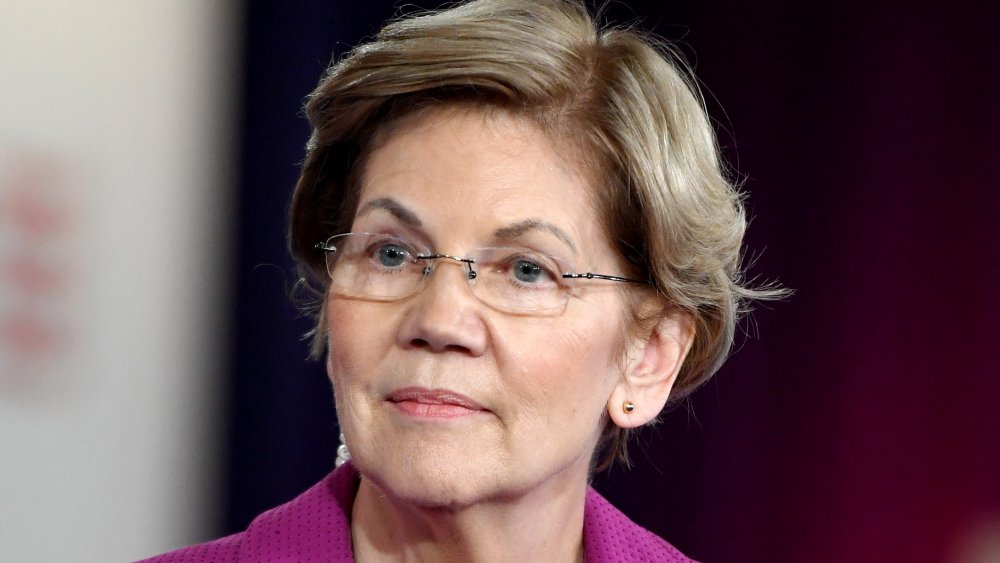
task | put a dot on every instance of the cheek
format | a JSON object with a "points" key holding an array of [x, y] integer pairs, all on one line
{"points": [[568, 371], [338, 344], [356, 345], [354, 341]]}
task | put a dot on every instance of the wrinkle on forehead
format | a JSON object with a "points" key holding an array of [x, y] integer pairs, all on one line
{"points": [[397, 210], [509, 133], [518, 229]]}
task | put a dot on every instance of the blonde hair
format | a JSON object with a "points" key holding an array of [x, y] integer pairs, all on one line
{"points": [[621, 100]]}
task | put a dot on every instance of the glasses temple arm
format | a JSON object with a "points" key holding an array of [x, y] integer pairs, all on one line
{"points": [[593, 276]]}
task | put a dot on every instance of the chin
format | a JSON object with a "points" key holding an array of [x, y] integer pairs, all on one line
{"points": [[438, 481]]}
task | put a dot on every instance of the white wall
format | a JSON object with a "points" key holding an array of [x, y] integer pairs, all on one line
{"points": [[116, 120]]}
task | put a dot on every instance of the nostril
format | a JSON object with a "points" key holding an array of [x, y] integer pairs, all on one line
{"points": [[420, 343]]}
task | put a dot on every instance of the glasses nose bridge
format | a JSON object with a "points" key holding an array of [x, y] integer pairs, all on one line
{"points": [[430, 266], [470, 271]]}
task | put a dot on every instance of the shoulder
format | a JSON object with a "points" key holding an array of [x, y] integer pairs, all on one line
{"points": [[610, 536], [220, 550], [313, 526]]}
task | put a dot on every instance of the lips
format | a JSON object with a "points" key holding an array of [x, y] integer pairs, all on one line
{"points": [[434, 403]]}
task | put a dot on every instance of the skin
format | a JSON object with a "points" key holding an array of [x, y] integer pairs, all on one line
{"points": [[505, 479]]}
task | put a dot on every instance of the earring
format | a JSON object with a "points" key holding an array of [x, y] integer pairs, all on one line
{"points": [[628, 407], [343, 454]]}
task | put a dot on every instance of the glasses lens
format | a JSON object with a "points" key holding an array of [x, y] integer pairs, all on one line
{"points": [[380, 267], [387, 268], [520, 280]]}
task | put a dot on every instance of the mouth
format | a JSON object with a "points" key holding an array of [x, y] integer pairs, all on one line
{"points": [[434, 403]]}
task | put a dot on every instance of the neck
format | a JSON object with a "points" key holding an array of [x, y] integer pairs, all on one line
{"points": [[544, 524]]}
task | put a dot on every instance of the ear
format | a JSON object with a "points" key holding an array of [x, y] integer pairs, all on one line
{"points": [[651, 369]]}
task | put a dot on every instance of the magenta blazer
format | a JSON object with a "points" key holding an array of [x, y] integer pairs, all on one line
{"points": [[315, 526]]}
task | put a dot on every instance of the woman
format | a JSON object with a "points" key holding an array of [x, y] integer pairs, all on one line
{"points": [[525, 246]]}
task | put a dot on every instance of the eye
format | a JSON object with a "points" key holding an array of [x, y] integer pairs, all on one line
{"points": [[391, 255], [385, 253], [528, 272]]}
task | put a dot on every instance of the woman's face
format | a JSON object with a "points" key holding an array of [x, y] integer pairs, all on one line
{"points": [[445, 401]]}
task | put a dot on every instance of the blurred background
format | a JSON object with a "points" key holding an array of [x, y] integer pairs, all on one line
{"points": [[154, 386]]}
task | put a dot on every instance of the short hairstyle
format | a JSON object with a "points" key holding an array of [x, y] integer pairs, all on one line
{"points": [[621, 101]]}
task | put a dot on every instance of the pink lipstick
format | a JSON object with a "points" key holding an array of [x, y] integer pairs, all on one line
{"points": [[433, 403]]}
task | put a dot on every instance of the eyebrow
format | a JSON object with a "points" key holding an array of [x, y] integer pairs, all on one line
{"points": [[397, 209], [521, 227], [404, 214]]}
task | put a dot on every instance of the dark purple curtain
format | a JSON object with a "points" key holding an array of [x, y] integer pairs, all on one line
{"points": [[860, 419]]}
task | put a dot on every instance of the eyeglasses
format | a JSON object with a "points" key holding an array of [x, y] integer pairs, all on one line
{"points": [[381, 267]]}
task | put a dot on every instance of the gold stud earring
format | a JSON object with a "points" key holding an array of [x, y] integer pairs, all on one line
{"points": [[628, 407]]}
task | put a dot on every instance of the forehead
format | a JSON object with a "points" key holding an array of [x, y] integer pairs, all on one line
{"points": [[479, 170]]}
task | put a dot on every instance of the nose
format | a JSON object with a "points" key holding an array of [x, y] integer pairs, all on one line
{"points": [[445, 316]]}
